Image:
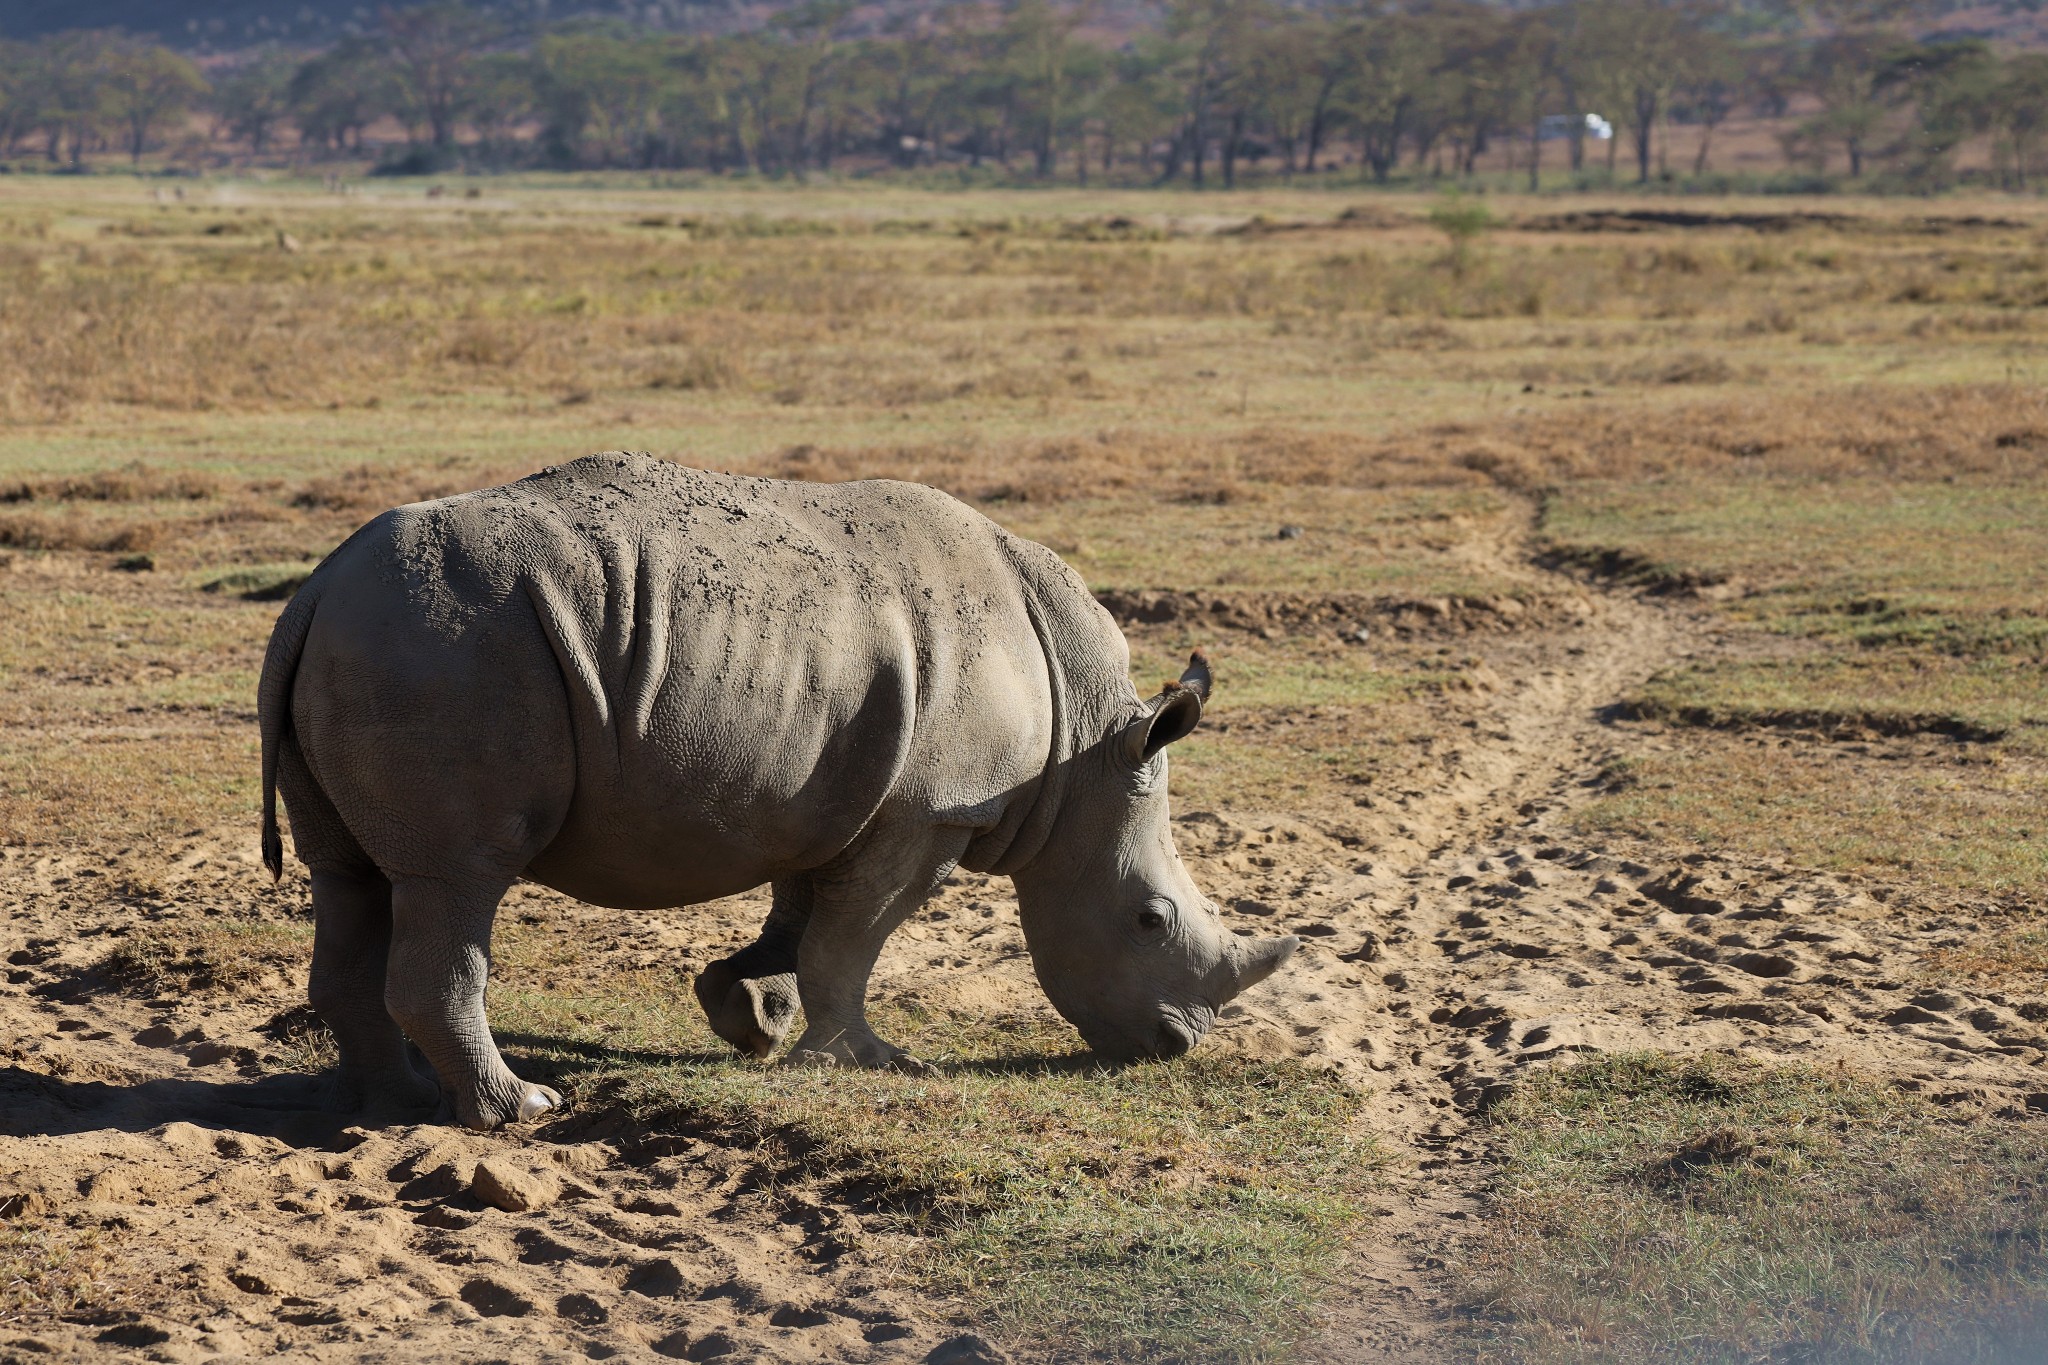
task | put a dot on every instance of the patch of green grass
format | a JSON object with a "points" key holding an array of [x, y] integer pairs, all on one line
{"points": [[1291, 721], [1973, 822], [1709, 1209], [1190, 1210], [1900, 608], [1399, 542], [1960, 566]]}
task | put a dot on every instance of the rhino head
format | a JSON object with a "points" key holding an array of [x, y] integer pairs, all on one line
{"points": [[1124, 945]]}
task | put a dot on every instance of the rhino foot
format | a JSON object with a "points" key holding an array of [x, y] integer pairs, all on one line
{"points": [[862, 1050], [751, 1013], [523, 1103]]}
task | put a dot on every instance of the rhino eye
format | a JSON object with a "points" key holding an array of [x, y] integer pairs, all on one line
{"points": [[1148, 918]]}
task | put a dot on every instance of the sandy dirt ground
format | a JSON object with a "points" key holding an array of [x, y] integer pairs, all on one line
{"points": [[1456, 932]]}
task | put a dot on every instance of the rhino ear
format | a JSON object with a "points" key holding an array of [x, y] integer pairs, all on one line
{"points": [[1172, 715]]}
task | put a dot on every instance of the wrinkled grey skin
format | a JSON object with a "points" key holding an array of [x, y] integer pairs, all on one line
{"points": [[649, 686]]}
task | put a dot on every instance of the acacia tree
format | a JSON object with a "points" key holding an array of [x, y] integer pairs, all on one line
{"points": [[1531, 80], [1037, 46], [1951, 87], [253, 99], [1648, 51], [2019, 112], [1842, 72], [146, 87], [1294, 71], [18, 95], [433, 49], [1389, 61], [70, 89], [337, 94], [1141, 107], [1715, 83], [600, 92], [1210, 39], [1470, 87]]}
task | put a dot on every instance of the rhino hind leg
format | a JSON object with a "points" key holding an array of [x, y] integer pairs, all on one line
{"points": [[434, 989], [351, 941]]}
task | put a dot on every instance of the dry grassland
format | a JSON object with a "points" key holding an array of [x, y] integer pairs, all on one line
{"points": [[1713, 550]]}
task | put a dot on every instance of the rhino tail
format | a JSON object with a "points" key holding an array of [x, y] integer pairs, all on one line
{"points": [[274, 710]]}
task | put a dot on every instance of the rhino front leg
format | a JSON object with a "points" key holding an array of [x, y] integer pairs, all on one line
{"points": [[351, 941], [848, 926], [751, 997], [434, 987]]}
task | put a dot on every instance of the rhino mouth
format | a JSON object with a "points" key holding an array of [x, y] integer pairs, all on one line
{"points": [[1173, 1035], [1172, 1039]]}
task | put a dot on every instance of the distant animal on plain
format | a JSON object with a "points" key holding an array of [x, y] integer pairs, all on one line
{"points": [[650, 686]]}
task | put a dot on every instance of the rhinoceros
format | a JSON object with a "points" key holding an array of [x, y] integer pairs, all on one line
{"points": [[649, 686]]}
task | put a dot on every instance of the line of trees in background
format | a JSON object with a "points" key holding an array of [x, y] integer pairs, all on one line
{"points": [[1426, 88]]}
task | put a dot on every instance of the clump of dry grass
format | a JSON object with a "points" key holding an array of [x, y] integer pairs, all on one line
{"points": [[39, 531], [48, 1268], [193, 956], [136, 481]]}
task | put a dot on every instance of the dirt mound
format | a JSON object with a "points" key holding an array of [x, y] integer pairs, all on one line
{"points": [[1628, 569], [1649, 220], [1276, 613]]}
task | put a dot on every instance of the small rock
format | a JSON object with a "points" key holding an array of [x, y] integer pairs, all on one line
{"points": [[495, 1300], [249, 1282], [1368, 951], [287, 243], [206, 1054], [968, 1348], [660, 1279], [504, 1186], [1289, 532], [1362, 635]]}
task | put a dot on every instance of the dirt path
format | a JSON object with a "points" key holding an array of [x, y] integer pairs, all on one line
{"points": [[1486, 937]]}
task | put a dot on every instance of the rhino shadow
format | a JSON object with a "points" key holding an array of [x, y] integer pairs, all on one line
{"points": [[599, 1056], [284, 1106]]}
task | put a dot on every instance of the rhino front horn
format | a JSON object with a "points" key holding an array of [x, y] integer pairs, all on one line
{"points": [[1260, 960]]}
